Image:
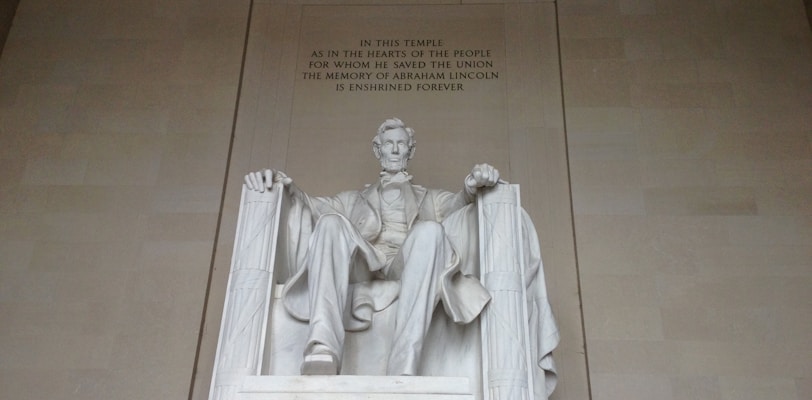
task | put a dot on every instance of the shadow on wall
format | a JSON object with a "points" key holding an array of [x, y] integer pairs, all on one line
{"points": [[7, 10], [808, 6]]}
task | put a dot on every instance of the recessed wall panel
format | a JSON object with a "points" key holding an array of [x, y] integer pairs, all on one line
{"points": [[478, 83]]}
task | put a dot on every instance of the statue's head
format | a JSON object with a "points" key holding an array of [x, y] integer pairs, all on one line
{"points": [[394, 145]]}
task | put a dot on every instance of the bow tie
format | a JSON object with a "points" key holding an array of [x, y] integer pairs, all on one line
{"points": [[400, 177]]}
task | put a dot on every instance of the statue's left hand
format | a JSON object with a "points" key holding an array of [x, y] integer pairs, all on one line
{"points": [[482, 175]]}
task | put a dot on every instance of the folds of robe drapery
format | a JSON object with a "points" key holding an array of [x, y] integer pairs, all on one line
{"points": [[462, 230]]}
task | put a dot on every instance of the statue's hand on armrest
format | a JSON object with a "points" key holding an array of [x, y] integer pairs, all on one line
{"points": [[263, 180], [482, 175]]}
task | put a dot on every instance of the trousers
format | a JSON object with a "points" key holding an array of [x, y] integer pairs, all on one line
{"points": [[338, 255]]}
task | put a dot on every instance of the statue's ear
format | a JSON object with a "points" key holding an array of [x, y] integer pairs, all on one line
{"points": [[411, 152], [376, 149]]}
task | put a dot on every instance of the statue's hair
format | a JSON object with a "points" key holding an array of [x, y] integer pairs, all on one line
{"points": [[389, 124]]}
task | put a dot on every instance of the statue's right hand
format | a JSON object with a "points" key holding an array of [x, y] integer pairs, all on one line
{"points": [[261, 180]]}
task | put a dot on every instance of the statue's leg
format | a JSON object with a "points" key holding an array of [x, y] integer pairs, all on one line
{"points": [[425, 252], [329, 259]]}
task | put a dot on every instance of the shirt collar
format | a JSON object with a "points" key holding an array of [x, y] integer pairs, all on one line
{"points": [[400, 177]]}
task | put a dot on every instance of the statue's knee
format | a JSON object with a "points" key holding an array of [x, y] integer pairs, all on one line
{"points": [[427, 229], [330, 222], [330, 229]]}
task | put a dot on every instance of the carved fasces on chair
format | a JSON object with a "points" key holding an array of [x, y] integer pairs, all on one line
{"points": [[506, 353], [245, 314]]}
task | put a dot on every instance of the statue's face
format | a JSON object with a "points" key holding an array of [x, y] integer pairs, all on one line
{"points": [[394, 150]]}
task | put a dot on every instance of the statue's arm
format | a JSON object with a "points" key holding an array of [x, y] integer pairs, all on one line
{"points": [[261, 181], [481, 176]]}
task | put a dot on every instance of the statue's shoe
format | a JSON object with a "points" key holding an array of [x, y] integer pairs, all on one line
{"points": [[320, 361]]}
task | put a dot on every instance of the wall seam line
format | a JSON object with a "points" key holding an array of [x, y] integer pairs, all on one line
{"points": [[217, 232]]}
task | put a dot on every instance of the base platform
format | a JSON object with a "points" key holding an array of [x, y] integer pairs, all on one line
{"points": [[345, 387]]}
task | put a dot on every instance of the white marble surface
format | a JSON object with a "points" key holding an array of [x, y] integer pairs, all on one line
{"points": [[355, 387]]}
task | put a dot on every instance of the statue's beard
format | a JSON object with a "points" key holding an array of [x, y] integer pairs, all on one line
{"points": [[394, 165]]}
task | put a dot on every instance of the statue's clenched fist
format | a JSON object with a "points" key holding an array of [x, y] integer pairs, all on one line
{"points": [[482, 175]]}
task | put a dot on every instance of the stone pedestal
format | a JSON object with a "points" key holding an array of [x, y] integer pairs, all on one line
{"points": [[342, 387]]}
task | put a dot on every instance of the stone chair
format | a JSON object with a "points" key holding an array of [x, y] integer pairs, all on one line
{"points": [[504, 354]]}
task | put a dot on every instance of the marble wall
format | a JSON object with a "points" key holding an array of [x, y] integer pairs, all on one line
{"points": [[688, 125], [115, 122], [688, 150]]}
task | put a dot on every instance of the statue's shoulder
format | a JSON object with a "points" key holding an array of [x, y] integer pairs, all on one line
{"points": [[368, 189]]}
